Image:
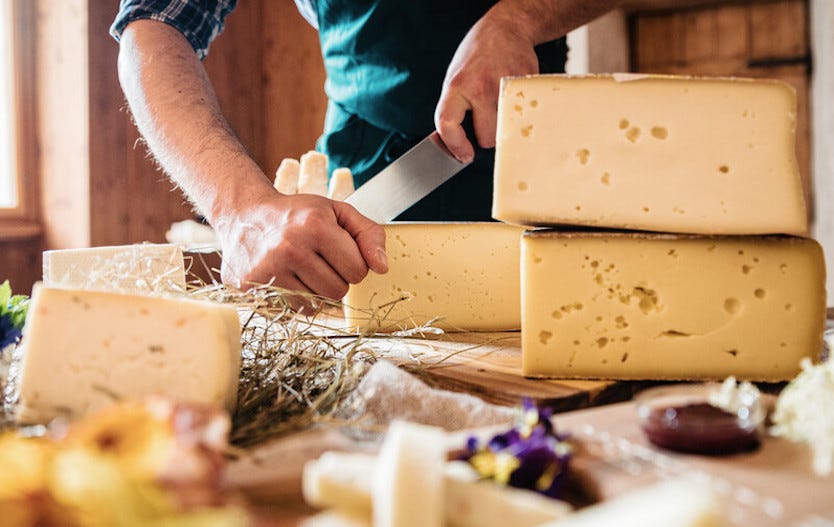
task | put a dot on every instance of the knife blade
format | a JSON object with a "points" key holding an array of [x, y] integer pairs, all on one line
{"points": [[406, 180]]}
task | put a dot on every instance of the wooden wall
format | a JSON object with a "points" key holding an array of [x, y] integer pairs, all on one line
{"points": [[758, 39]]}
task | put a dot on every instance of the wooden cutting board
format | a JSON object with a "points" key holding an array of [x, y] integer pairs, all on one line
{"points": [[488, 365]]}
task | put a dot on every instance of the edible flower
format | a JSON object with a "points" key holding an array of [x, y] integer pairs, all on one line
{"points": [[12, 315], [530, 455]]}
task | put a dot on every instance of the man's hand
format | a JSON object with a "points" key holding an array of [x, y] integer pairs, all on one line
{"points": [[303, 242], [500, 44]]}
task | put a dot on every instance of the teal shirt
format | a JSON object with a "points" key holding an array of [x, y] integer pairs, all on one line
{"points": [[385, 62]]}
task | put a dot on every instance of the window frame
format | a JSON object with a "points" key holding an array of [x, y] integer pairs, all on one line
{"points": [[22, 221]]}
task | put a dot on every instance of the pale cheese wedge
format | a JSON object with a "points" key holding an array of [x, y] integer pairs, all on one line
{"points": [[657, 153], [674, 503], [140, 268], [286, 177], [312, 177], [84, 350], [342, 482], [341, 184], [407, 487]]}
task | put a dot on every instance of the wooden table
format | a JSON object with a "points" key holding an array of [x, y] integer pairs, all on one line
{"points": [[777, 477]]}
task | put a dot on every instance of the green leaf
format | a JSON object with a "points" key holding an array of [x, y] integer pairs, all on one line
{"points": [[20, 306], [5, 296]]}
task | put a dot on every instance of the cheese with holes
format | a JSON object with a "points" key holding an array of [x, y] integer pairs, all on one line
{"points": [[668, 154], [86, 349], [464, 275], [146, 268], [640, 306]]}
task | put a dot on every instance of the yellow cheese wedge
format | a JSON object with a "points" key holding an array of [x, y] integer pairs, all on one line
{"points": [[141, 268], [668, 154], [312, 177], [639, 306], [85, 349], [286, 177], [464, 274]]}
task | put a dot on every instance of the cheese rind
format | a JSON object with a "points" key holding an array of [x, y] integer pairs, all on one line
{"points": [[145, 268], [656, 153], [638, 306], [83, 348], [466, 275]]}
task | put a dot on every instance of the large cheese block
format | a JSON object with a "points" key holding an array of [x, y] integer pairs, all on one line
{"points": [[146, 268], [650, 306], [465, 275], [85, 349], [656, 153]]}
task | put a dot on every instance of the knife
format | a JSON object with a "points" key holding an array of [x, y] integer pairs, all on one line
{"points": [[406, 180]]}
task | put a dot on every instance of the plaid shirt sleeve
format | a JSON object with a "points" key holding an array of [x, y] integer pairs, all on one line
{"points": [[200, 21]]}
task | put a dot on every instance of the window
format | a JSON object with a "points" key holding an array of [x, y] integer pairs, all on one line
{"points": [[8, 159]]}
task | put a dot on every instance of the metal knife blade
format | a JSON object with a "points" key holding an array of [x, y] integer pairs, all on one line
{"points": [[406, 180]]}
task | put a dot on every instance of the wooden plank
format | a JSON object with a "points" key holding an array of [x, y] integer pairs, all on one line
{"points": [[779, 29], [700, 36], [733, 31], [294, 102], [658, 41], [489, 365], [61, 74]]}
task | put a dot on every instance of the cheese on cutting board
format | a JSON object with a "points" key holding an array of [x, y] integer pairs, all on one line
{"points": [[465, 274], [651, 306], [145, 268], [673, 503], [656, 153], [85, 349]]}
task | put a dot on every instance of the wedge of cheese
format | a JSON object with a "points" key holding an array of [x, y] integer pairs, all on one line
{"points": [[85, 349], [656, 153], [465, 275], [145, 268], [673, 503], [342, 482], [640, 306], [407, 487]]}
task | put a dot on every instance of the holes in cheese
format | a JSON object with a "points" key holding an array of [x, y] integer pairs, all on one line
{"points": [[694, 316], [83, 348], [466, 275], [687, 153]]}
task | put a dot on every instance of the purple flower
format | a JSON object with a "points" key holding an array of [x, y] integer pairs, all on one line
{"points": [[9, 334], [531, 455]]}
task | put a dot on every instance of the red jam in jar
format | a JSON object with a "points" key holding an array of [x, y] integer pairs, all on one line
{"points": [[682, 419]]}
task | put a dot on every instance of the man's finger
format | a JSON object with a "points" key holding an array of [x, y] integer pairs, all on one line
{"points": [[450, 112], [341, 251], [485, 121], [369, 236]]}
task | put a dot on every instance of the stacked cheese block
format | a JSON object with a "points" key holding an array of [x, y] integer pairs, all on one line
{"points": [[309, 176], [710, 160], [111, 323], [703, 279]]}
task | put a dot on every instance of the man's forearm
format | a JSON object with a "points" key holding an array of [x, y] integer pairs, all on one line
{"points": [[546, 20], [177, 112]]}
